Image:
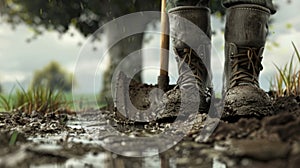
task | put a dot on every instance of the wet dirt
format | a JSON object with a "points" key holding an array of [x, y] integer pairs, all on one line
{"points": [[62, 140], [142, 102]]}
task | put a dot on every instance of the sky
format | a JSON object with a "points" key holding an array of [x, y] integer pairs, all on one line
{"points": [[19, 59]]}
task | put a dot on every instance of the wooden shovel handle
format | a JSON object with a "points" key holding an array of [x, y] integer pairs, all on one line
{"points": [[164, 41]]}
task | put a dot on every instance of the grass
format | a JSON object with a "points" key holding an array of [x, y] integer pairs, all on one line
{"points": [[287, 80], [13, 138], [38, 99]]}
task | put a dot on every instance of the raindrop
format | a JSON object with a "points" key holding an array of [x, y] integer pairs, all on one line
{"points": [[123, 143], [81, 6]]}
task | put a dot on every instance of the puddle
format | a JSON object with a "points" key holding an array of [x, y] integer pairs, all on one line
{"points": [[94, 134], [104, 160], [89, 160], [109, 160]]}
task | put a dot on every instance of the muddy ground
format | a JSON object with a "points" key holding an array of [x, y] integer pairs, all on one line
{"points": [[63, 140]]}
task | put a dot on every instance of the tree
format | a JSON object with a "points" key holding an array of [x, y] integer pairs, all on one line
{"points": [[52, 77]]}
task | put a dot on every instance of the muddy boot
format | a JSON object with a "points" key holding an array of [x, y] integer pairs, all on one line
{"points": [[190, 28], [245, 36]]}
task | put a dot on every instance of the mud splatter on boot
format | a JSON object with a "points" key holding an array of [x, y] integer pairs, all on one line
{"points": [[245, 35], [192, 51]]}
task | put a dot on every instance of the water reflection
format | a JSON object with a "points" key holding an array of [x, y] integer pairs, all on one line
{"points": [[184, 154], [168, 159], [110, 160]]}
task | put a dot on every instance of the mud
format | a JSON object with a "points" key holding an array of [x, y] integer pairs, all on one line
{"points": [[62, 140], [142, 102]]}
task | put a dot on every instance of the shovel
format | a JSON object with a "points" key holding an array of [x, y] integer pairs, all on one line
{"points": [[131, 95], [163, 78]]}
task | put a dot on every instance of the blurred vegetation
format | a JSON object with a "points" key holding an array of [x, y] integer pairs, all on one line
{"points": [[54, 77], [287, 81], [38, 99], [86, 15]]}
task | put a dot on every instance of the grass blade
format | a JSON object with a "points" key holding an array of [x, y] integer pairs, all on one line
{"points": [[282, 75], [13, 138], [4, 103], [296, 51]]}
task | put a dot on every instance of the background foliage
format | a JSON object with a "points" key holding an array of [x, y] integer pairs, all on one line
{"points": [[54, 77]]}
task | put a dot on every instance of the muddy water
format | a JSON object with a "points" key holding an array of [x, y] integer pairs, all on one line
{"points": [[106, 160], [97, 130]]}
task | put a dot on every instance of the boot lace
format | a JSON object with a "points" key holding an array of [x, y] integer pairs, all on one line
{"points": [[189, 61], [246, 66]]}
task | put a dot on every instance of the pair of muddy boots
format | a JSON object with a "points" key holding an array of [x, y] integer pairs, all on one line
{"points": [[245, 37]]}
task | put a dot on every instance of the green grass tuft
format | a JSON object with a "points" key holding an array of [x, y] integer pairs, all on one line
{"points": [[37, 99], [287, 81]]}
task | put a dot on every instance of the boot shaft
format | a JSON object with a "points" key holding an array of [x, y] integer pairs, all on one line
{"points": [[245, 36], [191, 37], [247, 25]]}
